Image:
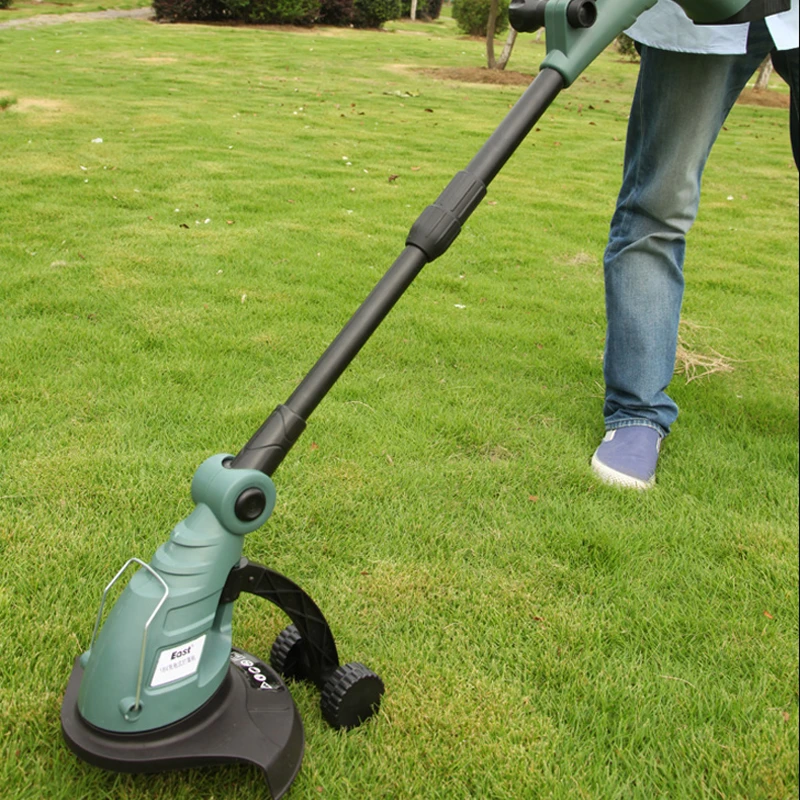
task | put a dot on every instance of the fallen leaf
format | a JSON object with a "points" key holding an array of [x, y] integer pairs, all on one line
{"points": [[314, 446], [393, 178], [416, 169], [534, 498], [429, 110], [768, 615], [184, 225]]}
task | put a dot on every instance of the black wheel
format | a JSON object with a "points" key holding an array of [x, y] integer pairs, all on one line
{"points": [[351, 695], [288, 655]]}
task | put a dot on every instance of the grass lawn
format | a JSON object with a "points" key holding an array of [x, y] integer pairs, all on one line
{"points": [[540, 635]]}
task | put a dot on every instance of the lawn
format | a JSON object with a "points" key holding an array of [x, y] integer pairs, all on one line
{"points": [[189, 214]]}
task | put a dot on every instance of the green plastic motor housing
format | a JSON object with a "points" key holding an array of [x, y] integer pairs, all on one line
{"points": [[165, 646]]}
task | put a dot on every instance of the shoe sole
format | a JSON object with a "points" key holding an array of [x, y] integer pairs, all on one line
{"points": [[614, 478]]}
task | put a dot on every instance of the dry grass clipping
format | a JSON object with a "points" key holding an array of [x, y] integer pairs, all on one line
{"points": [[694, 362]]}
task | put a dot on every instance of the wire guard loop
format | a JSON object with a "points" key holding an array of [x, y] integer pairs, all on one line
{"points": [[161, 602]]}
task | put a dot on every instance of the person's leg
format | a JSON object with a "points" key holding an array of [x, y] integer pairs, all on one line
{"points": [[680, 104], [787, 65]]}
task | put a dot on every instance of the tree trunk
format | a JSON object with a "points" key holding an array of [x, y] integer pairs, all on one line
{"points": [[491, 24], [764, 71], [507, 48], [413, 9]]}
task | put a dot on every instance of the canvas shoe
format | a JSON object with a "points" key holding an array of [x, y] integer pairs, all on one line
{"points": [[628, 457]]}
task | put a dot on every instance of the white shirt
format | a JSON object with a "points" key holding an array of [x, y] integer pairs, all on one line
{"points": [[666, 27]]}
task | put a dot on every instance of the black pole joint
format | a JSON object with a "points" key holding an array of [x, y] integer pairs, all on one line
{"points": [[269, 445], [440, 223]]}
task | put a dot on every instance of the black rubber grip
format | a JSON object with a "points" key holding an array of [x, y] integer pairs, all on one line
{"points": [[439, 224]]}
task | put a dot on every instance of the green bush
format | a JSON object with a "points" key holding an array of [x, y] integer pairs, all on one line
{"points": [[626, 47], [274, 12], [337, 12], [188, 10], [471, 16], [5, 3], [426, 9], [373, 13], [359, 13]]}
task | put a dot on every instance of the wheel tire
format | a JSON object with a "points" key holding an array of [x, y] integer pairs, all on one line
{"points": [[288, 655], [351, 695]]}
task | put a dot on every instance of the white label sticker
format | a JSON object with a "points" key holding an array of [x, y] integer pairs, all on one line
{"points": [[178, 662]]}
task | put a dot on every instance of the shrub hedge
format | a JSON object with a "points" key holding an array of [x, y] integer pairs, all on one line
{"points": [[627, 47], [188, 10], [337, 12], [358, 13], [426, 9], [373, 13], [471, 16]]}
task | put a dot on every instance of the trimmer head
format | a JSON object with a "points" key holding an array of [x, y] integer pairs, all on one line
{"points": [[251, 718]]}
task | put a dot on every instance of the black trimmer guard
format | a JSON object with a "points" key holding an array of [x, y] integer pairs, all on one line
{"points": [[251, 718]]}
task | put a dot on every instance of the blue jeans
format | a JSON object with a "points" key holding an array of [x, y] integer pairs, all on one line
{"points": [[680, 104]]}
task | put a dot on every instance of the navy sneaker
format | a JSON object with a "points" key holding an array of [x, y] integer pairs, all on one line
{"points": [[628, 457]]}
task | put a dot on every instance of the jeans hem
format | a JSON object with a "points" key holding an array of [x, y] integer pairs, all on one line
{"points": [[634, 423]]}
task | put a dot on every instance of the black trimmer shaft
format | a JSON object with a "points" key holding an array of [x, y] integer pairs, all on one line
{"points": [[430, 236]]}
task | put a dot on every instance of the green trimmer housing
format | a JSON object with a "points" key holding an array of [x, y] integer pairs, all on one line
{"points": [[161, 686]]}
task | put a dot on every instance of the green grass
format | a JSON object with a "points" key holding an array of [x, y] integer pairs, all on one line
{"points": [[540, 635]]}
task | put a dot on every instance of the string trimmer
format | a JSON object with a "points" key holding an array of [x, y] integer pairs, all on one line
{"points": [[161, 686]]}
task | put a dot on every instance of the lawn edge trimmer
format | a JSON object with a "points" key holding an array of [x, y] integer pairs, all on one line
{"points": [[161, 686]]}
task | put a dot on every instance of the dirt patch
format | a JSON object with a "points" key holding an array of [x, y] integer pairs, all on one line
{"points": [[40, 104], [157, 60], [497, 77], [764, 97]]}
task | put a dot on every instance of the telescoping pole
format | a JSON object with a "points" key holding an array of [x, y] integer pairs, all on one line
{"points": [[430, 236]]}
